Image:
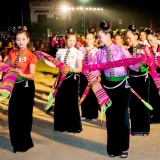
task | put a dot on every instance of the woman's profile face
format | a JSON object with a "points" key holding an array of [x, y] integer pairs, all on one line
{"points": [[22, 40], [152, 40], [102, 37]]}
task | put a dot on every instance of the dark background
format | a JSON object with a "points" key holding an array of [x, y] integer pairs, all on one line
{"points": [[139, 12], [10, 13]]}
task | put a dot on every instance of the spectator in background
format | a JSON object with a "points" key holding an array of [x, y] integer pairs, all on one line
{"points": [[53, 46], [143, 37], [32, 48]]}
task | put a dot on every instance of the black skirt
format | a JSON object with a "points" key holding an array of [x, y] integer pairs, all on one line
{"points": [[154, 100], [20, 115], [90, 104], [139, 113], [66, 109], [117, 118]]}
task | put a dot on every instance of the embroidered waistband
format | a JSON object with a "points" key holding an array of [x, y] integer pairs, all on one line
{"points": [[19, 79], [143, 69], [120, 83], [115, 79], [70, 73]]}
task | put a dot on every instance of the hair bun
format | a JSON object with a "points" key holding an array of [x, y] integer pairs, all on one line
{"points": [[149, 31], [91, 30], [20, 28], [131, 27], [70, 30], [104, 24]]}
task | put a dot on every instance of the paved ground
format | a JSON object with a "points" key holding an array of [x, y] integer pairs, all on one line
{"points": [[90, 144]]}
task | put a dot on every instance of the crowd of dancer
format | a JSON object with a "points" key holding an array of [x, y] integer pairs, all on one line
{"points": [[74, 53]]}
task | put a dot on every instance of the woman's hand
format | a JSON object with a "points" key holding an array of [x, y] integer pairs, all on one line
{"points": [[20, 73], [139, 65], [65, 69], [1, 58], [70, 69], [99, 79]]}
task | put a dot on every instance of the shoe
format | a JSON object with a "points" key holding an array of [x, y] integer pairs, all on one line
{"points": [[112, 156], [145, 134], [18, 150], [83, 118], [94, 120], [132, 134], [77, 131], [48, 110], [15, 149], [22, 150], [124, 154]]}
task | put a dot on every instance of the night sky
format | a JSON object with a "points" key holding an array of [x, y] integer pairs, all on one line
{"points": [[141, 12]]}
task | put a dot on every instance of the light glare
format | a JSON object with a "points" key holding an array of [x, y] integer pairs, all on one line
{"points": [[64, 8]]}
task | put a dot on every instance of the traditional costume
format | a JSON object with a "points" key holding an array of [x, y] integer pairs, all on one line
{"points": [[154, 98], [117, 128], [116, 84], [89, 106], [21, 101], [66, 109], [139, 114]]}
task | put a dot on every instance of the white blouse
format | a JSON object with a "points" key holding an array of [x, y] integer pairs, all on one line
{"points": [[72, 58]]}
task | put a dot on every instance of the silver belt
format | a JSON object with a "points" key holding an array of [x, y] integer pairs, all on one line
{"points": [[126, 84], [26, 84], [20, 81], [75, 74], [136, 76]]}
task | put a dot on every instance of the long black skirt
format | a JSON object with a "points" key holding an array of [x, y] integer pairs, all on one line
{"points": [[139, 113], [154, 100], [89, 106], [117, 118], [66, 109], [20, 115]]}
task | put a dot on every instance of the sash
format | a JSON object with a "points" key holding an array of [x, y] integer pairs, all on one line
{"points": [[98, 90], [101, 95], [61, 76], [8, 81], [127, 62]]}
